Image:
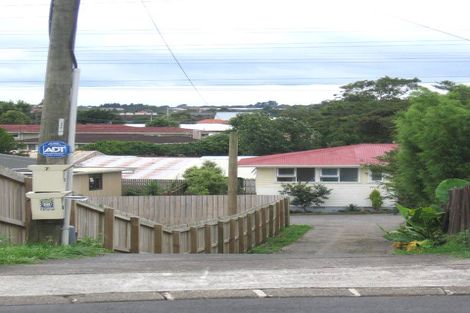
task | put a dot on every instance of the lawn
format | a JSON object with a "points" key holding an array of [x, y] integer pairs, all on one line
{"points": [[286, 237], [33, 253]]}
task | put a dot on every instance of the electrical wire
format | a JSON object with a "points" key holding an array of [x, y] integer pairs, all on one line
{"points": [[172, 54]]}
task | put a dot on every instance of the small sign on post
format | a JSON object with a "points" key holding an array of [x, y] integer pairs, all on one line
{"points": [[54, 149]]}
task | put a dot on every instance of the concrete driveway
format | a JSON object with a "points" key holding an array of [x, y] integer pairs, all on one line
{"points": [[344, 235]]}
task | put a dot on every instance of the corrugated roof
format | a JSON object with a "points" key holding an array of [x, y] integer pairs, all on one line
{"points": [[337, 156], [212, 121], [158, 167]]}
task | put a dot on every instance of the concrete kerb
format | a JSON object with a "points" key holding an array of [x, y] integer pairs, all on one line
{"points": [[236, 294]]}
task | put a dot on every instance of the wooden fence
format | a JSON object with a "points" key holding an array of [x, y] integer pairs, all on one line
{"points": [[178, 186], [176, 210], [13, 219], [234, 234], [458, 210]]}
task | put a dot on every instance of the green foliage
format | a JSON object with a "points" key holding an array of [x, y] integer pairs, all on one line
{"points": [[305, 194], [7, 142], [162, 122], [442, 190], [376, 199], [33, 253], [352, 208], [211, 145], [421, 224], [97, 116], [205, 180], [14, 117], [457, 245], [434, 145], [274, 244], [260, 134]]}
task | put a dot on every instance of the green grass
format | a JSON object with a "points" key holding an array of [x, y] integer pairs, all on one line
{"points": [[286, 237], [33, 253], [455, 245]]}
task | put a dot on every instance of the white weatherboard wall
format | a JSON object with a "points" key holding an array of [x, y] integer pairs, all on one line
{"points": [[342, 194]]}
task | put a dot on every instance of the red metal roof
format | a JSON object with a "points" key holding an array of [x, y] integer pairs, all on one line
{"points": [[337, 156], [212, 121], [100, 128]]}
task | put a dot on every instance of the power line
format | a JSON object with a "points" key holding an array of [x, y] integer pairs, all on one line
{"points": [[436, 29], [172, 54]]}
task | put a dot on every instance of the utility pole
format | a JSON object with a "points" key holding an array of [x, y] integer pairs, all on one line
{"points": [[55, 119], [232, 173]]}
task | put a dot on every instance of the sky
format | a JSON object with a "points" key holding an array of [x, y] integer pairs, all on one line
{"points": [[235, 52]]}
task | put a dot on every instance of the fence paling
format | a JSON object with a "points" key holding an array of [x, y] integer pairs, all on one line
{"points": [[458, 210]]}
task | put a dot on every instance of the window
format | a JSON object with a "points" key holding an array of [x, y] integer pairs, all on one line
{"points": [[329, 174], [339, 175], [285, 174], [375, 176], [95, 182], [348, 174], [304, 174]]}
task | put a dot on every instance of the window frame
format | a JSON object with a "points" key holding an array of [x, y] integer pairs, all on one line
{"points": [[338, 175], [278, 175], [99, 178]]}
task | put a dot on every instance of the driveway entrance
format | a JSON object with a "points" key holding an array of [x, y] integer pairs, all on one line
{"points": [[344, 235]]}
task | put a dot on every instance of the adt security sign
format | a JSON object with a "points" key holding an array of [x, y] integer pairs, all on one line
{"points": [[54, 149]]}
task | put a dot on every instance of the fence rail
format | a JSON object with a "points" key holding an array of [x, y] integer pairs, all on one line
{"points": [[238, 233]]}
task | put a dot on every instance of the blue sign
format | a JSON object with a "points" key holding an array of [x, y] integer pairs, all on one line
{"points": [[54, 149]]}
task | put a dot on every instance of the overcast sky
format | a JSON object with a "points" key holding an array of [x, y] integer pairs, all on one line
{"points": [[236, 52]]}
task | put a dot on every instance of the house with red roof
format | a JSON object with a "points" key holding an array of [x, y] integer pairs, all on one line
{"points": [[343, 169]]}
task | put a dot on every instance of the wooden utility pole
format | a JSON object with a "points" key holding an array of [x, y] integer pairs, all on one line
{"points": [[55, 118], [232, 173], [58, 85]]}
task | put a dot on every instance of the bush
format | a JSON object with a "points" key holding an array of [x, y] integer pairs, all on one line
{"points": [[376, 199], [306, 195], [205, 180]]}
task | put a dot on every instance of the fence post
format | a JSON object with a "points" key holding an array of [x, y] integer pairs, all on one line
{"points": [[277, 224], [28, 186], [258, 227], [220, 237], [158, 238], [193, 239], [249, 231], [264, 230], [232, 239], [286, 205], [207, 238], [271, 220], [241, 234], [282, 215], [135, 235], [108, 240], [176, 241]]}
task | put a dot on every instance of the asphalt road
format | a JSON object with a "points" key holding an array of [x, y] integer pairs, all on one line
{"points": [[424, 304]]}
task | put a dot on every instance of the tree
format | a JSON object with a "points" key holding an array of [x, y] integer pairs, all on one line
{"points": [[205, 180], [162, 122], [385, 88], [14, 117], [260, 134], [434, 144], [97, 116], [7, 142]]}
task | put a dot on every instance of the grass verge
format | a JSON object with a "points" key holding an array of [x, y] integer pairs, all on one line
{"points": [[33, 253], [286, 237], [456, 245]]}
